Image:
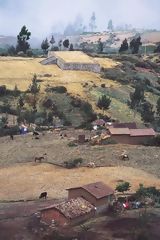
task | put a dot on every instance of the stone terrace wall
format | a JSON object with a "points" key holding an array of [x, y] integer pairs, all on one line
{"points": [[91, 67]]}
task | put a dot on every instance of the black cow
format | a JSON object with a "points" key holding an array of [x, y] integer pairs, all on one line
{"points": [[43, 195], [35, 133]]}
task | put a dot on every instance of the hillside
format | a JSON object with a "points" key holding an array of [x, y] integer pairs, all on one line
{"points": [[83, 85]]}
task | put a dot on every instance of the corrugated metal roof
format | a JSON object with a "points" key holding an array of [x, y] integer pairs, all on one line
{"points": [[130, 125], [73, 208], [119, 131], [98, 189], [142, 132]]}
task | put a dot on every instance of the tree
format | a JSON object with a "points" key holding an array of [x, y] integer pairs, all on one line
{"points": [[157, 50], [92, 23], [71, 48], [124, 46], [66, 43], [100, 46], [45, 45], [135, 44], [20, 102], [52, 41], [34, 88], [137, 97], [147, 112], [12, 50], [22, 40], [104, 102], [123, 187], [158, 106], [60, 44], [110, 25]]}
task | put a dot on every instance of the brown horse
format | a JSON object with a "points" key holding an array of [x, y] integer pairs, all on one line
{"points": [[40, 158]]}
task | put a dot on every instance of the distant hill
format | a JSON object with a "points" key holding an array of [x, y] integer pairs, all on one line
{"points": [[6, 41]]}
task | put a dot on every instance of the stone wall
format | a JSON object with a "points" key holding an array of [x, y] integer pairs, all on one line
{"points": [[91, 67]]}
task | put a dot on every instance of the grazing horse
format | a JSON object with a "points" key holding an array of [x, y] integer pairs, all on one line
{"points": [[43, 195], [40, 158]]}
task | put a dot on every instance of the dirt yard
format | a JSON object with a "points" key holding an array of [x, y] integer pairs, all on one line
{"points": [[27, 181]]}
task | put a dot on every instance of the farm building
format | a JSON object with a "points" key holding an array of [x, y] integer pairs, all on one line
{"points": [[131, 136], [98, 194], [71, 212], [72, 60]]}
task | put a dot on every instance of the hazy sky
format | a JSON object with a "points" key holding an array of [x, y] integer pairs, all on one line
{"points": [[45, 16]]}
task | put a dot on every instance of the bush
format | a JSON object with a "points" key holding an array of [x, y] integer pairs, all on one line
{"points": [[58, 89], [72, 144], [76, 102], [47, 103], [73, 163], [9, 131], [3, 90]]}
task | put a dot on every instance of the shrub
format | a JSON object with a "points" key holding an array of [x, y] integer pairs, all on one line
{"points": [[103, 85], [47, 103], [58, 89], [9, 131], [123, 187], [73, 163], [72, 144], [3, 90], [76, 102]]}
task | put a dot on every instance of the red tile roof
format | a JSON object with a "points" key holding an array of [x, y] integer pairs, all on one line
{"points": [[142, 132], [73, 208], [98, 189], [119, 131]]}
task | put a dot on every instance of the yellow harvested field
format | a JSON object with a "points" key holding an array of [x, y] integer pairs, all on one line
{"points": [[107, 62], [19, 71], [74, 57], [27, 181]]}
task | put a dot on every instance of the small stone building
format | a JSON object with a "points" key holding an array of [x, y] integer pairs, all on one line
{"points": [[98, 194], [71, 212], [131, 136], [72, 60]]}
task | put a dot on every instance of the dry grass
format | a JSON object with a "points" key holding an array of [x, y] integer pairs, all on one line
{"points": [[27, 181], [74, 57]]}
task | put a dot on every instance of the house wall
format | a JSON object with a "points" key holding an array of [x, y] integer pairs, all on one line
{"points": [[101, 204], [123, 139], [126, 139], [52, 214], [139, 140], [48, 215]]}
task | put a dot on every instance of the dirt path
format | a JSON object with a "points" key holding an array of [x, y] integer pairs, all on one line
{"points": [[27, 181]]}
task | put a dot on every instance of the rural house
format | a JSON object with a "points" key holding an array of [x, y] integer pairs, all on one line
{"points": [[98, 194], [71, 212], [131, 136]]}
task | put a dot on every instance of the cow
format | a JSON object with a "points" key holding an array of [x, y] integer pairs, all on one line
{"points": [[43, 195], [35, 133], [91, 165], [11, 137]]}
